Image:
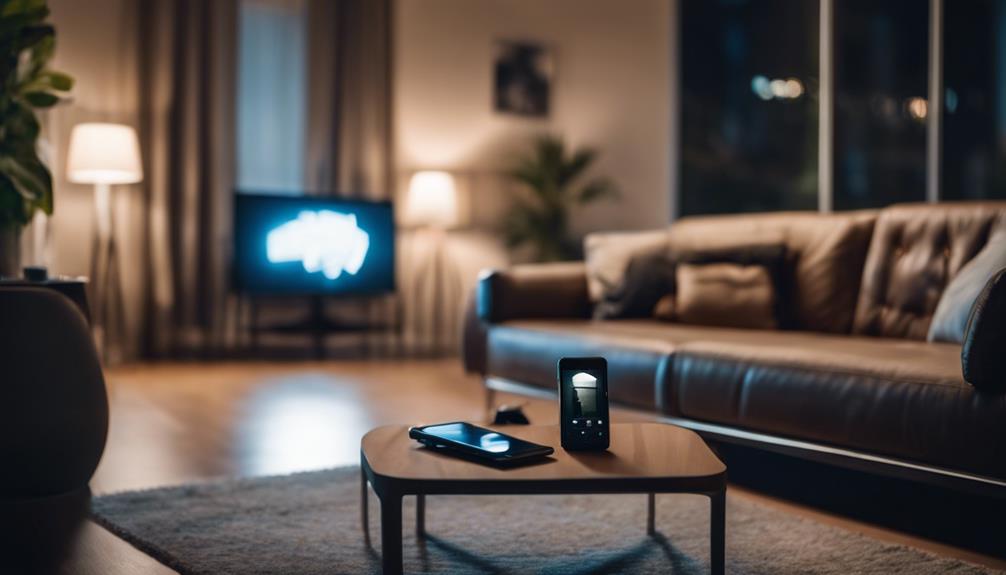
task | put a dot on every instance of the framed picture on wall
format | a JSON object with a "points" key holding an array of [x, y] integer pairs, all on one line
{"points": [[522, 78]]}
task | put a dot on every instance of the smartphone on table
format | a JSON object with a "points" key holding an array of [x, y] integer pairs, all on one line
{"points": [[471, 441], [583, 403]]}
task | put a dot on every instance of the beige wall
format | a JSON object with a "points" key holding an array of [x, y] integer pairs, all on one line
{"points": [[611, 91]]}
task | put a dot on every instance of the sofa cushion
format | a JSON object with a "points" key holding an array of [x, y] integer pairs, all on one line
{"points": [[824, 253], [915, 251], [528, 352], [889, 397]]}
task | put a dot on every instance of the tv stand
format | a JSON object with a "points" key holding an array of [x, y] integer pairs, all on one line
{"points": [[317, 324]]}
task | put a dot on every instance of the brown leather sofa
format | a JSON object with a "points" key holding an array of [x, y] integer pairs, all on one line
{"points": [[854, 383]]}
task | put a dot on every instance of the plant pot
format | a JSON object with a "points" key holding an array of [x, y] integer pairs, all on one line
{"points": [[10, 251]]}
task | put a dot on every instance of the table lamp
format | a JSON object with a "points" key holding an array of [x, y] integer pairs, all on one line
{"points": [[104, 155], [432, 205]]}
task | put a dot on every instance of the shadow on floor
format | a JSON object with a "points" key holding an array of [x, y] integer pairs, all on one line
{"points": [[36, 535], [959, 519]]}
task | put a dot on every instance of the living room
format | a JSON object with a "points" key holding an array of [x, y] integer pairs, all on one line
{"points": [[576, 286]]}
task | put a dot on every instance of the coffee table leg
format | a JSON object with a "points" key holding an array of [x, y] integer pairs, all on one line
{"points": [[391, 533], [717, 531], [364, 511], [651, 511], [420, 515]]}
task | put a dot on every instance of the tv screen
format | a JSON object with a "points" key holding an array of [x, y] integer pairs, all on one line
{"points": [[313, 245]]}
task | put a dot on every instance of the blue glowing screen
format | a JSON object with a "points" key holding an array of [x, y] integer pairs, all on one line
{"points": [[296, 244]]}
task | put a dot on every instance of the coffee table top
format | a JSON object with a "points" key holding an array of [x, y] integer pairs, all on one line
{"points": [[643, 457]]}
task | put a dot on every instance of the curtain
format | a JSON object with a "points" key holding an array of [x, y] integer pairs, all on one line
{"points": [[349, 98], [187, 74]]}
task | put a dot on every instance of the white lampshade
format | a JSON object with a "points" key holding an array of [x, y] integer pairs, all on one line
{"points": [[432, 199], [104, 154]]}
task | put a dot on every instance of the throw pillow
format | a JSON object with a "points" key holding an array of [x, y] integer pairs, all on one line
{"points": [[771, 256], [649, 276], [608, 254], [951, 316], [726, 295], [985, 337]]}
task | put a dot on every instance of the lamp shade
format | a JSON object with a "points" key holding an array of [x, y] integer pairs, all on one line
{"points": [[432, 199], [104, 154]]}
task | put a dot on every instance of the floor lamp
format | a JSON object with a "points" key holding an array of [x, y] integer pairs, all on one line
{"points": [[432, 205], [104, 155]]}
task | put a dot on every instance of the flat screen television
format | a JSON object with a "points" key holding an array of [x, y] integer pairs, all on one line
{"points": [[311, 245]]}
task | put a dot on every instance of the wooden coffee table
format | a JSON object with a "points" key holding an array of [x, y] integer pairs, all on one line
{"points": [[643, 458]]}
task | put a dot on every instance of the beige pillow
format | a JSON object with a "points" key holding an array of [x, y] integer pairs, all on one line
{"points": [[725, 295], [608, 254]]}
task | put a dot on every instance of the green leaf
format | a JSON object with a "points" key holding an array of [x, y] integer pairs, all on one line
{"points": [[41, 99], [20, 127], [32, 181], [581, 160], [22, 7], [27, 44], [32, 38], [597, 189], [41, 52], [58, 80]]}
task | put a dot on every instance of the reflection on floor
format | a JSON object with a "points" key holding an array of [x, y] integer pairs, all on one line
{"points": [[173, 423]]}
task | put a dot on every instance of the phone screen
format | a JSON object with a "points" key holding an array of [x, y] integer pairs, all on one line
{"points": [[471, 435], [584, 399], [584, 386]]}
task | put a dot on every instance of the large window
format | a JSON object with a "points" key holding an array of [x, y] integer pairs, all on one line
{"points": [[749, 105], [881, 86], [272, 95], [974, 118], [757, 75]]}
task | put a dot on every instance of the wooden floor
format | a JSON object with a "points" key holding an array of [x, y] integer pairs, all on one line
{"points": [[183, 422]]}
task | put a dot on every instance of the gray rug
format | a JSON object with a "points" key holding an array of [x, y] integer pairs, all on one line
{"points": [[310, 523]]}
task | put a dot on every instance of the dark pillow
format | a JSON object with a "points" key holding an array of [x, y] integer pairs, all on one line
{"points": [[983, 356], [725, 295], [648, 277], [771, 256]]}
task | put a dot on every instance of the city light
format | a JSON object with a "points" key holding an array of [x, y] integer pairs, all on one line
{"points": [[918, 108], [779, 88]]}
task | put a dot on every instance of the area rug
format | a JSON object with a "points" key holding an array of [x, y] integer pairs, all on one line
{"points": [[310, 523]]}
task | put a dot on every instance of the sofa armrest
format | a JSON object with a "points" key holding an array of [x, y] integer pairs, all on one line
{"points": [[533, 291], [474, 336]]}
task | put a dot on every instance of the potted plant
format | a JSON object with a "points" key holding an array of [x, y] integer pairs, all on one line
{"points": [[555, 177], [26, 46]]}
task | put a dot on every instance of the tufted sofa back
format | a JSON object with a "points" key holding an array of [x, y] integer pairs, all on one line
{"points": [[916, 250]]}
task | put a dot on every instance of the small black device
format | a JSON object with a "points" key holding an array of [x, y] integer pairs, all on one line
{"points": [[510, 415], [474, 442], [583, 401]]}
